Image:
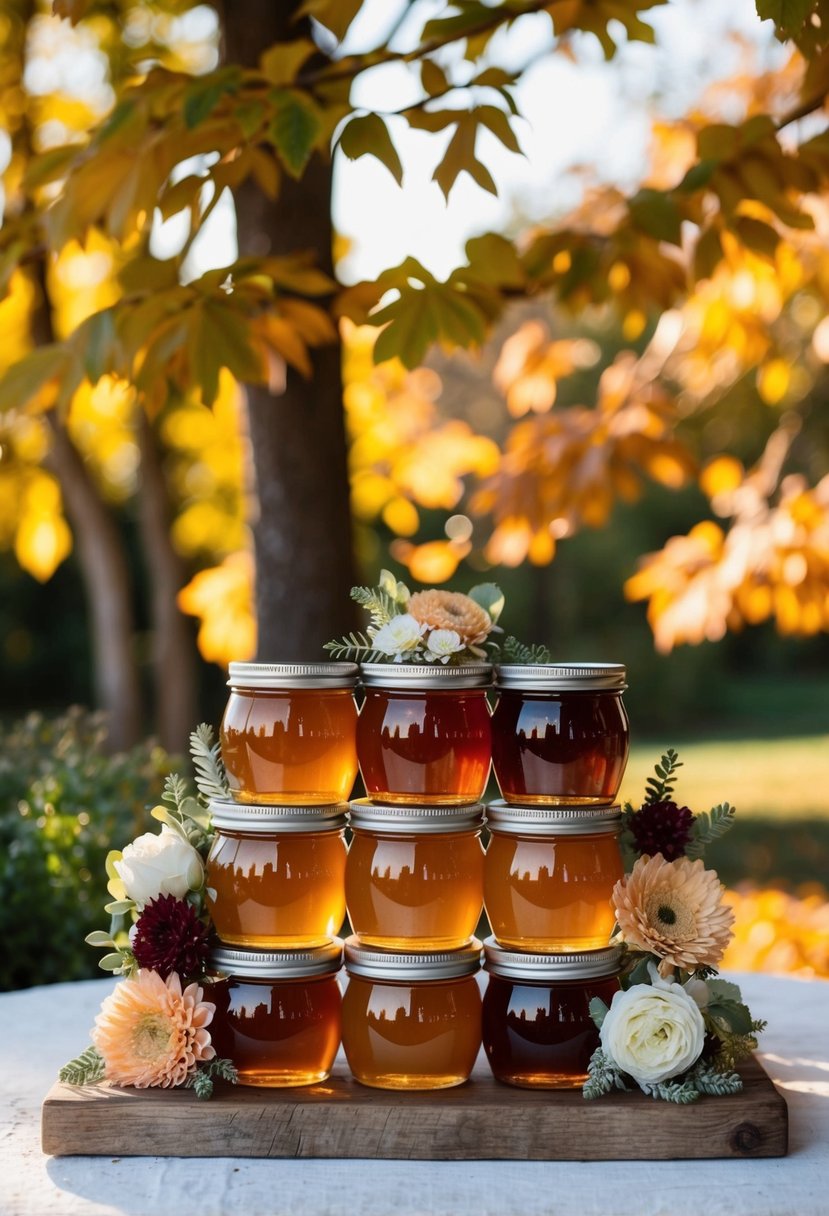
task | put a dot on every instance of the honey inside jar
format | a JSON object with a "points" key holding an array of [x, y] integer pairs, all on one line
{"points": [[411, 1033], [414, 878], [288, 735], [549, 876], [275, 876]]}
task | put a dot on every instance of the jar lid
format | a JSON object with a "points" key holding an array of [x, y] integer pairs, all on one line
{"points": [[561, 677], [557, 820], [425, 820], [581, 965], [278, 964], [292, 675], [264, 818], [425, 675], [410, 965]]}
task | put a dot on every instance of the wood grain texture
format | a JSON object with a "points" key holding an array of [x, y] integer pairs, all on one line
{"points": [[483, 1120]]}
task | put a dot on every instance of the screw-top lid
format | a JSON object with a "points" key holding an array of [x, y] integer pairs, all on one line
{"points": [[560, 677], [264, 818], [552, 820], [292, 675], [409, 965], [278, 964], [424, 820], [424, 675], [580, 965]]}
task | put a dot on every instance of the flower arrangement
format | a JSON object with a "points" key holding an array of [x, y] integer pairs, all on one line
{"points": [[153, 1029], [674, 1028]]}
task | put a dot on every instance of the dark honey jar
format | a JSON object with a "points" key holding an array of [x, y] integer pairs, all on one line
{"points": [[414, 875], [549, 875], [537, 1029], [423, 735], [278, 1013], [411, 1021], [275, 875], [560, 734], [288, 732]]}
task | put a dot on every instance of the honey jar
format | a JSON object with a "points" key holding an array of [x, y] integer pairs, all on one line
{"points": [[278, 1013], [288, 732], [414, 875], [275, 875], [411, 1021], [537, 1028], [560, 733], [549, 874], [423, 735]]}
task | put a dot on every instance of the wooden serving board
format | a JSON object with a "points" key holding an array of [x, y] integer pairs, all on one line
{"points": [[480, 1120]]}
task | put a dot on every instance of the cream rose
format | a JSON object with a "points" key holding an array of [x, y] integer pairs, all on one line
{"points": [[163, 864], [400, 636], [653, 1033]]}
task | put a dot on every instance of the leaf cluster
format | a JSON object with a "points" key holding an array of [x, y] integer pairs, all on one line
{"points": [[660, 788], [85, 1069], [201, 1078], [513, 651]]}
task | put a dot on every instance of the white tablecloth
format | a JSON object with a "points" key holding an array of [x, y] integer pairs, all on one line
{"points": [[41, 1028]]}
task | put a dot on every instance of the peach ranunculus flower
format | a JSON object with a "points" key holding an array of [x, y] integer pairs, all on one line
{"points": [[151, 1033], [673, 909], [452, 610]]}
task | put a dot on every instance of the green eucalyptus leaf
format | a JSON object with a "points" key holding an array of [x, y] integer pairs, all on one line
{"points": [[98, 938], [598, 1011], [489, 597], [111, 962], [118, 906]]}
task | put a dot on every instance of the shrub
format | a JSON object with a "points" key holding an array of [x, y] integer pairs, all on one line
{"points": [[63, 805]]}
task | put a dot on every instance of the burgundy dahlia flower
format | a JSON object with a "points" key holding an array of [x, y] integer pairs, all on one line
{"points": [[661, 827], [169, 937]]}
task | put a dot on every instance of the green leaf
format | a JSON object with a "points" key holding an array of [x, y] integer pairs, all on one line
{"points": [[202, 97], [85, 1069], [494, 259], [111, 962], [118, 906], [708, 826], [98, 938], [514, 651], [205, 753], [657, 214], [725, 990], [708, 253], [25, 378], [489, 597], [755, 235], [294, 130], [280, 63], [598, 1011], [735, 1015], [787, 15], [368, 135]]}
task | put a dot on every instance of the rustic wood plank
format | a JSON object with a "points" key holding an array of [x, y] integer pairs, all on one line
{"points": [[480, 1120]]}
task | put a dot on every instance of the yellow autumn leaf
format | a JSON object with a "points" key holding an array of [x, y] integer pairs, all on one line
{"points": [[222, 599]]}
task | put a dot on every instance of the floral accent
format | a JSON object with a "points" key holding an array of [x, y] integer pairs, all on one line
{"points": [[168, 936], [400, 637], [162, 864], [653, 1032], [673, 909], [450, 610], [442, 644], [661, 827], [151, 1033]]}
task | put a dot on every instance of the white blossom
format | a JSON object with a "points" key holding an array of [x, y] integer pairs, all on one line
{"points": [[162, 864], [401, 636], [442, 644]]}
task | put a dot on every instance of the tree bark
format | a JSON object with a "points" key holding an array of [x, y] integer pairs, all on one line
{"points": [[302, 537]]}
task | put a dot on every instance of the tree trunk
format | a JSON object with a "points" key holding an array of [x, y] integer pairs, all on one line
{"points": [[302, 537]]}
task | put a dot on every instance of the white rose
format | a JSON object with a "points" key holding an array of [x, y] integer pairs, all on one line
{"points": [[400, 636], [653, 1033], [163, 864], [442, 643]]}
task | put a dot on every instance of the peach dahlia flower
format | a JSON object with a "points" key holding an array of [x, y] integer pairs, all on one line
{"points": [[673, 909], [451, 610], [151, 1033]]}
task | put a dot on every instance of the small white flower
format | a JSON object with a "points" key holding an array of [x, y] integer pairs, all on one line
{"points": [[442, 644], [399, 637], [163, 864], [654, 1032]]}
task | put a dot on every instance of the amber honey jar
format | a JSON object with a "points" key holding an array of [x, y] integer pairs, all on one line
{"points": [[424, 733], [537, 1028], [411, 1021], [414, 875], [278, 1013], [276, 874], [549, 874], [560, 733], [288, 732]]}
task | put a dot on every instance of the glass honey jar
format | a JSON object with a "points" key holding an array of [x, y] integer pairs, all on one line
{"points": [[414, 875], [423, 735], [411, 1021], [549, 874], [278, 1013], [560, 733], [537, 1029], [275, 875], [288, 732]]}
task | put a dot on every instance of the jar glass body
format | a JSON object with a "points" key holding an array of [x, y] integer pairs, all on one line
{"points": [[400, 1034], [551, 893], [560, 747], [290, 745], [424, 745], [406, 891], [276, 889], [539, 1035]]}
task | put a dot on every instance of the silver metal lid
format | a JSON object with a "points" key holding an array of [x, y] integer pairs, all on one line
{"points": [[561, 677], [262, 818], [424, 820], [278, 964], [558, 820], [582, 965], [425, 675], [421, 965], [292, 675]]}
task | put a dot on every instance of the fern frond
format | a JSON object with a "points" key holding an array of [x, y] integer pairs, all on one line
{"points": [[211, 779], [354, 646], [714, 1083], [708, 826], [201, 1079], [377, 603], [513, 651], [85, 1069], [681, 1092], [175, 791], [661, 787], [602, 1076]]}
